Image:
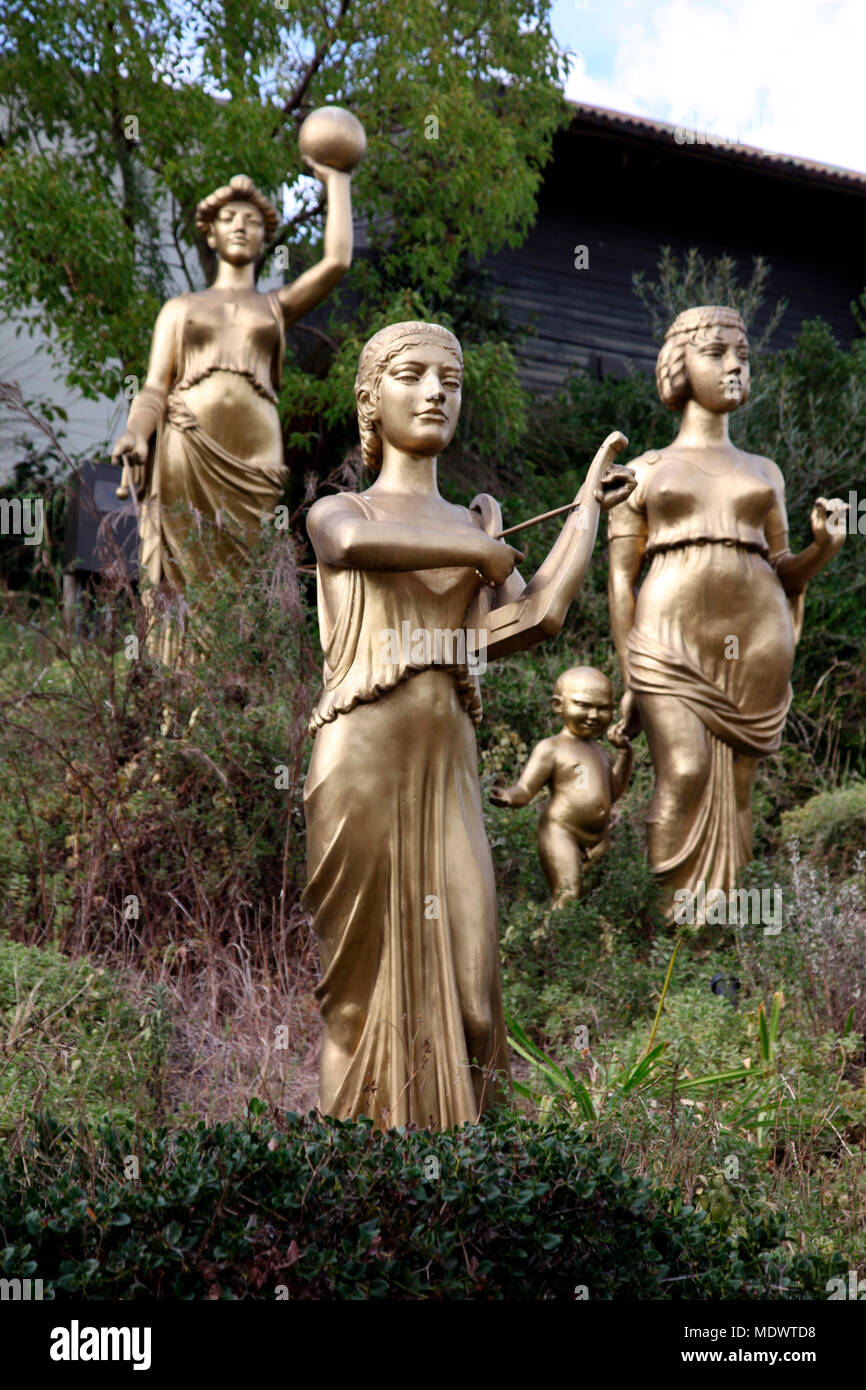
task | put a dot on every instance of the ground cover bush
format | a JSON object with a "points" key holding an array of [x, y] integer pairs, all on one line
{"points": [[830, 826], [72, 1040], [307, 1208], [155, 804]]}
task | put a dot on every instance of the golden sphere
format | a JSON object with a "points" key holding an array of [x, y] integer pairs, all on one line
{"points": [[333, 136]]}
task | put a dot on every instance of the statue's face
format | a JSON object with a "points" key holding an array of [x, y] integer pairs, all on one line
{"points": [[237, 233], [419, 398], [718, 369], [586, 707]]}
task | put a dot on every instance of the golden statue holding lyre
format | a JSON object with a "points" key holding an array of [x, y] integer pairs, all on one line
{"points": [[706, 644], [210, 397], [413, 591]]}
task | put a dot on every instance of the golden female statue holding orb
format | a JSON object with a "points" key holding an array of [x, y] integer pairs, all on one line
{"points": [[203, 435]]}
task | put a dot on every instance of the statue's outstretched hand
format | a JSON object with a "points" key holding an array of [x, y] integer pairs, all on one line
{"points": [[325, 172], [617, 484], [829, 523]]}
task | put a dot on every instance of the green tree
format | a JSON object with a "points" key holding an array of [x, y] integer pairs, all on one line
{"points": [[681, 282]]}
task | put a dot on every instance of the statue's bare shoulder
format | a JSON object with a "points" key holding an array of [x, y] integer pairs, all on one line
{"points": [[329, 508], [643, 465], [173, 310], [768, 469]]}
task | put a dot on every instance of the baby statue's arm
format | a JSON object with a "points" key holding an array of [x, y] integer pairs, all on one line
{"points": [[620, 771], [535, 775]]}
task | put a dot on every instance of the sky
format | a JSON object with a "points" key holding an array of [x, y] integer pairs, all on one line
{"points": [[782, 75]]}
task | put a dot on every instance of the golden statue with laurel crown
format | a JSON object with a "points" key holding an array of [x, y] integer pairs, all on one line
{"points": [[210, 398]]}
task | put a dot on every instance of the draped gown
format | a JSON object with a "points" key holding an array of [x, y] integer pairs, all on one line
{"points": [[400, 876], [710, 654], [242, 333]]}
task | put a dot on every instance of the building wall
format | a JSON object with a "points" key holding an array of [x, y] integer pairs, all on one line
{"points": [[624, 198]]}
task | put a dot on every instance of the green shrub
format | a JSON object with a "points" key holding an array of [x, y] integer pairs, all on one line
{"points": [[819, 953], [157, 803], [830, 826], [73, 1041], [587, 963], [502, 1210]]}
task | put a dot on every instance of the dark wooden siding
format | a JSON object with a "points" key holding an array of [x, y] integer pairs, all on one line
{"points": [[624, 197]]}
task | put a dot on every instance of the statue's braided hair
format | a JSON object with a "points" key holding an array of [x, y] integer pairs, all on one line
{"points": [[372, 363]]}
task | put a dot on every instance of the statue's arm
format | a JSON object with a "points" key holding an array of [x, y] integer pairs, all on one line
{"points": [[515, 621], [828, 520], [310, 288], [162, 364], [620, 772], [344, 538], [537, 773], [625, 562], [148, 407], [563, 571]]}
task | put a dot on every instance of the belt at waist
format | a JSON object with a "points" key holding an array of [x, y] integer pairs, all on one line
{"points": [[756, 547]]}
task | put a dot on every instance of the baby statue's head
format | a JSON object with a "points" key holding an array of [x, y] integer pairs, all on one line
{"points": [[583, 696]]}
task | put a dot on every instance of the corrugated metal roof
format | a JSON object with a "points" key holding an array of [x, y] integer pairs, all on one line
{"points": [[782, 164]]}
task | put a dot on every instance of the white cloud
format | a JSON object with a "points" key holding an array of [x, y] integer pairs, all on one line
{"points": [[785, 75]]}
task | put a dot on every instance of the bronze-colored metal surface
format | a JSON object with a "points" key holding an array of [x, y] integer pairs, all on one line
{"points": [[517, 616], [400, 879], [205, 432], [574, 825], [706, 641], [333, 136]]}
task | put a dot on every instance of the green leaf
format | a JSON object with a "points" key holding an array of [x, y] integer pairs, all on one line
{"points": [[764, 1034], [735, 1074]]}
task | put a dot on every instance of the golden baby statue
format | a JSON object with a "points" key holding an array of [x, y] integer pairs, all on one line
{"points": [[706, 644], [210, 398], [574, 825], [400, 878]]}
